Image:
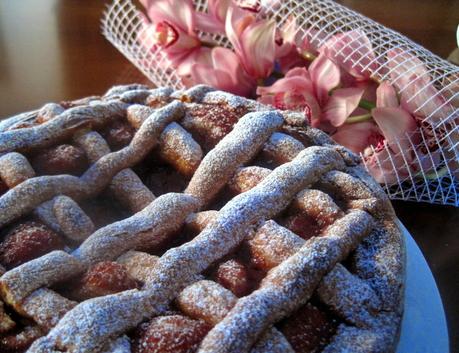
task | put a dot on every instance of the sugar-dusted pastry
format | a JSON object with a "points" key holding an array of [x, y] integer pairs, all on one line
{"points": [[152, 220]]}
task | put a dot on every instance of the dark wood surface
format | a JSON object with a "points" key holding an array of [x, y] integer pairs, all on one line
{"points": [[52, 50]]}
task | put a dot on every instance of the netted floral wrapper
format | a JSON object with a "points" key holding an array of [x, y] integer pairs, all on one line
{"points": [[419, 164]]}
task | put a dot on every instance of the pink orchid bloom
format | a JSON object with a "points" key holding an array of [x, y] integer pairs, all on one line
{"points": [[287, 46], [172, 27], [308, 90], [253, 41], [338, 106], [201, 55], [223, 71], [395, 156], [249, 5], [353, 52], [214, 20], [357, 137], [418, 94], [386, 143], [294, 92], [341, 104]]}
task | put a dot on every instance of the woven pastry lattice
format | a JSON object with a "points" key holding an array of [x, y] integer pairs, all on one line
{"points": [[246, 183], [436, 149]]}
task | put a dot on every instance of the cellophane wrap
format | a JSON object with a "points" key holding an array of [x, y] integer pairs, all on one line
{"points": [[318, 20]]}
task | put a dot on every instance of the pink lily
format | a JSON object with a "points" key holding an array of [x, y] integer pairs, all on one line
{"points": [[172, 27], [223, 71], [253, 41], [353, 52]]}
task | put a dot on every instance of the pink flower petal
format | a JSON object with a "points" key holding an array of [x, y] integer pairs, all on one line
{"points": [[207, 23], [296, 79], [325, 75], [396, 124], [253, 41], [226, 60], [208, 75], [237, 20], [298, 71], [223, 72], [179, 13], [341, 104], [214, 20], [418, 95], [219, 8], [386, 96], [259, 48], [357, 136], [352, 51], [388, 167], [402, 65], [424, 100], [287, 54], [201, 55]]}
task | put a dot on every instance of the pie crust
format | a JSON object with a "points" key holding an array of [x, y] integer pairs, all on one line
{"points": [[268, 219]]}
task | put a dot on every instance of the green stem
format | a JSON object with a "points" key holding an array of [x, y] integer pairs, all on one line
{"points": [[436, 174], [366, 104], [358, 118]]}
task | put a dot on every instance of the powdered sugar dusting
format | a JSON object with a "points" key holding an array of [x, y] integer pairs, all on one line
{"points": [[238, 147], [126, 186], [51, 268], [211, 302], [287, 286], [14, 169], [282, 148], [138, 264], [46, 307], [146, 228], [95, 325], [178, 148]]}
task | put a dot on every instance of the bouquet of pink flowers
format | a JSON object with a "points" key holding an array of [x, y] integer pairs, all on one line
{"points": [[381, 101]]}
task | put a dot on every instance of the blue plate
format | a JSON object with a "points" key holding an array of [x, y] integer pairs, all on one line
{"points": [[424, 327]]}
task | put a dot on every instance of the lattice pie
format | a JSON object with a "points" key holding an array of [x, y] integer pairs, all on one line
{"points": [[149, 220]]}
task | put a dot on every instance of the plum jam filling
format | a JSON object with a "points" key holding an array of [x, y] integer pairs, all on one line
{"points": [[118, 135], [169, 334], [309, 329], [60, 159], [3, 187], [209, 123]]}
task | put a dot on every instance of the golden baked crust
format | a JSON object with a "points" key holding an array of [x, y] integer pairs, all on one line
{"points": [[275, 169]]}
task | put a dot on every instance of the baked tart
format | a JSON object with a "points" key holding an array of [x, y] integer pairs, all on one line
{"points": [[153, 220]]}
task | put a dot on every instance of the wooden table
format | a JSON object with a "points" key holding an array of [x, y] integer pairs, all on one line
{"points": [[52, 50]]}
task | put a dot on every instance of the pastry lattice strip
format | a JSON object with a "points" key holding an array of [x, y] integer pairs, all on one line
{"points": [[15, 166], [203, 299], [262, 202], [204, 198], [17, 299]]}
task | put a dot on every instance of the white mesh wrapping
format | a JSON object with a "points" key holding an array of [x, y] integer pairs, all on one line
{"points": [[319, 20]]}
